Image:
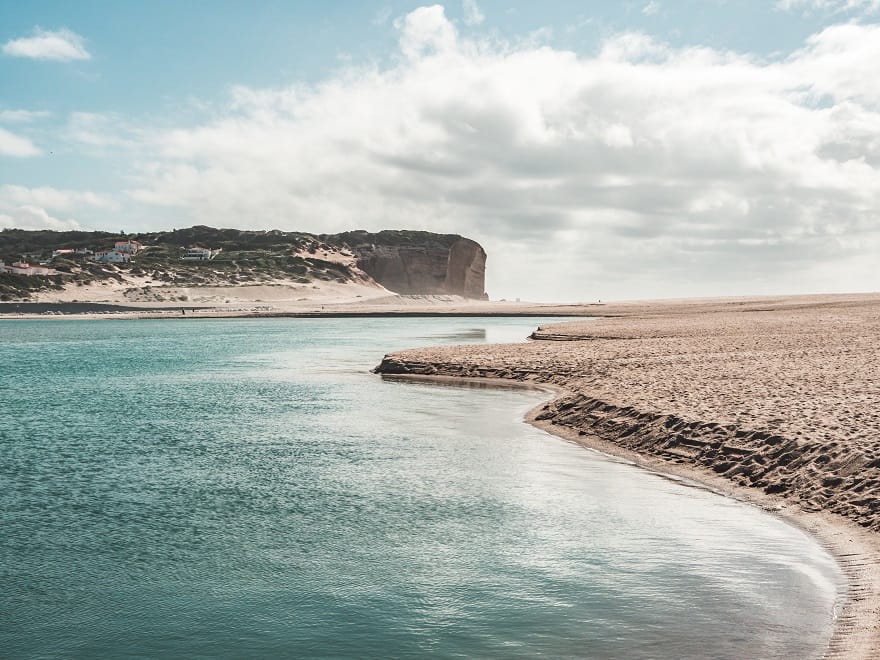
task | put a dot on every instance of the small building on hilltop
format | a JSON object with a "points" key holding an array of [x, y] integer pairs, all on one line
{"points": [[199, 254], [128, 247], [112, 257]]}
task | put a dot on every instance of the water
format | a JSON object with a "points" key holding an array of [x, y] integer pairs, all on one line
{"points": [[245, 488]]}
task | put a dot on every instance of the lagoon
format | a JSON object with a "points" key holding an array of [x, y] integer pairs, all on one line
{"points": [[245, 487]]}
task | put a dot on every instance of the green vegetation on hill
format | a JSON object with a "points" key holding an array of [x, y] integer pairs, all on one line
{"points": [[389, 237], [246, 257], [231, 239], [14, 287], [15, 242]]}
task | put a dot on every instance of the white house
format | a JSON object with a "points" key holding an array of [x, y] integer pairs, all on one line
{"points": [[199, 254], [112, 257], [128, 247]]}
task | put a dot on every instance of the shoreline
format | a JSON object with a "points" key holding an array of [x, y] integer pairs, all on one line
{"points": [[772, 402], [400, 306], [855, 550], [136, 316], [404, 308]]}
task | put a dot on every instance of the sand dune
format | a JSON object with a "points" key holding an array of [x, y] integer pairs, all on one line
{"points": [[142, 290]]}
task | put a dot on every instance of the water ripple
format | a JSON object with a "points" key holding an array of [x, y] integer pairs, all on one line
{"points": [[245, 488]]}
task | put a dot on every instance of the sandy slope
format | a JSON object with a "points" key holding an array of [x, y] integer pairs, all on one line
{"points": [[280, 293]]}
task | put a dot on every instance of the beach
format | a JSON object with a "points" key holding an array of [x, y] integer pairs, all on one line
{"points": [[770, 400], [254, 303]]}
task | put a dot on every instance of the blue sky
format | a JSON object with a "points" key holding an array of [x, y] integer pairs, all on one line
{"points": [[149, 58], [688, 148]]}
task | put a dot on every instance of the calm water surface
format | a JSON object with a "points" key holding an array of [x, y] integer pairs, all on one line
{"points": [[245, 488]]}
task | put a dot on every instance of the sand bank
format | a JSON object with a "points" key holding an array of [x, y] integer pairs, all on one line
{"points": [[774, 401], [249, 305]]}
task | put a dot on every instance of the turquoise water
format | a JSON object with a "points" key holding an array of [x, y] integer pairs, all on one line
{"points": [[246, 488]]}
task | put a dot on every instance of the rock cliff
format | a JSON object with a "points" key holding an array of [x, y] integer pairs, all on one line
{"points": [[416, 262]]}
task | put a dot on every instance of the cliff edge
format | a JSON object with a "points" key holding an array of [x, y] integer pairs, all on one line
{"points": [[418, 262]]}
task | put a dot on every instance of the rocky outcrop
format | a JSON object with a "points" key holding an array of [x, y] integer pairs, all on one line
{"points": [[415, 262]]}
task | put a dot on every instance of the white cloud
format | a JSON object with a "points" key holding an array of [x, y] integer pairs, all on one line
{"points": [[645, 170], [472, 13], [22, 116], [426, 31], [652, 8], [830, 6], [60, 45], [99, 134], [95, 129], [52, 198], [34, 217], [36, 208], [15, 145]]}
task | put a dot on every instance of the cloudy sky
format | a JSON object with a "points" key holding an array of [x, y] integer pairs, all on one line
{"points": [[597, 150]]}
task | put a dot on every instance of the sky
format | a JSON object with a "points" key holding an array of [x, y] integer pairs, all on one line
{"points": [[628, 150]]}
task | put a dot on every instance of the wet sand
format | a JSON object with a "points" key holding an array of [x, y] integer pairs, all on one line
{"points": [[775, 401]]}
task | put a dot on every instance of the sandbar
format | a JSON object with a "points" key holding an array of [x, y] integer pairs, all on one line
{"points": [[775, 401]]}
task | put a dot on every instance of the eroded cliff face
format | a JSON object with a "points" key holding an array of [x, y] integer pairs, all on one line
{"points": [[409, 262], [466, 270]]}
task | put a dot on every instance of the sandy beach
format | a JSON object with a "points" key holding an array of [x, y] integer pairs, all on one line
{"points": [[279, 299], [770, 400]]}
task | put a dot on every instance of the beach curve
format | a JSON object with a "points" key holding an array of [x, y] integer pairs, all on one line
{"points": [[574, 359]]}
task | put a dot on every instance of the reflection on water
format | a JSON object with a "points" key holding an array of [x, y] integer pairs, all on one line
{"points": [[469, 335], [246, 488]]}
